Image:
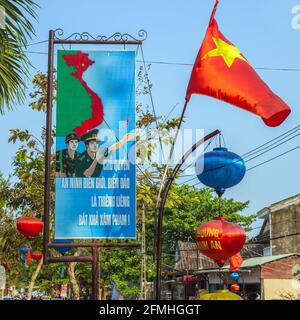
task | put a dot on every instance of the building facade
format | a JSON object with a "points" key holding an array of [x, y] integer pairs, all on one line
{"points": [[280, 232]]}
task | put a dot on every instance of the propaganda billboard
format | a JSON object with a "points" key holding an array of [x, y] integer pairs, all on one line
{"points": [[95, 184]]}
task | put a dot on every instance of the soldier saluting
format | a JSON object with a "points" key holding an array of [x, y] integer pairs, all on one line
{"points": [[89, 163], [65, 159]]}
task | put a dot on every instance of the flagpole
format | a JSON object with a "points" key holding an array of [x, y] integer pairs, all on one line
{"points": [[187, 98], [161, 198]]}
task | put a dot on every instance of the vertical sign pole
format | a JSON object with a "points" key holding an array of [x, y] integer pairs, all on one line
{"points": [[95, 273], [144, 261], [47, 185]]}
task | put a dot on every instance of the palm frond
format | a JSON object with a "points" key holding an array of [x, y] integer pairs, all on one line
{"points": [[14, 64]]}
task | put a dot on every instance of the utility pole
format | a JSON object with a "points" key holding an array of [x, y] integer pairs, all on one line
{"points": [[144, 257]]}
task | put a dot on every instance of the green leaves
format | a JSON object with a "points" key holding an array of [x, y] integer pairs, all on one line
{"points": [[39, 96], [14, 65]]}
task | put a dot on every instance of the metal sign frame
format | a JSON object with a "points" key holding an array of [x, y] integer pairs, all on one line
{"points": [[55, 37]]}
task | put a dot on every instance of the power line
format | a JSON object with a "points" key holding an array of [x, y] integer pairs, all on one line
{"points": [[273, 224], [182, 260], [34, 43], [152, 102], [293, 130], [191, 64], [262, 163], [276, 146], [275, 238], [179, 63], [278, 156], [267, 146], [167, 117], [258, 165]]}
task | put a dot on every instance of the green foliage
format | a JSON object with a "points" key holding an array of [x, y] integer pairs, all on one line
{"points": [[39, 96], [13, 40]]}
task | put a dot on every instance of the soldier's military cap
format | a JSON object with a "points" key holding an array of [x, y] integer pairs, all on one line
{"points": [[71, 136], [91, 135]]}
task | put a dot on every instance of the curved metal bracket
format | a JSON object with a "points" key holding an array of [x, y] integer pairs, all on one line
{"points": [[86, 37], [162, 206]]}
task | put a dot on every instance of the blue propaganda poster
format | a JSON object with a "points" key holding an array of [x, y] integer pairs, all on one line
{"points": [[95, 183]]}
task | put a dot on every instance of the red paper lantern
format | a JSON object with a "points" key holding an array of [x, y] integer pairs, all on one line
{"points": [[36, 255], [219, 239], [234, 287], [188, 278], [30, 227]]}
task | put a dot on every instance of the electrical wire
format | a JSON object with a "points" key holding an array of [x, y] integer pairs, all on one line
{"points": [[264, 162], [35, 43], [247, 249], [276, 146], [287, 133], [288, 220], [152, 103], [177, 63], [262, 147], [260, 164], [274, 158]]}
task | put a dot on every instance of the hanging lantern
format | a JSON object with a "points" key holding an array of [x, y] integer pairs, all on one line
{"points": [[221, 295], [30, 227], [23, 249], [234, 276], [23, 259], [62, 251], [222, 169], [219, 239], [25, 252], [188, 278], [36, 255], [234, 287]]}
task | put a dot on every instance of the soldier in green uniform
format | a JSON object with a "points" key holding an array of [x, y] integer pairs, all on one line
{"points": [[65, 159], [89, 163]]}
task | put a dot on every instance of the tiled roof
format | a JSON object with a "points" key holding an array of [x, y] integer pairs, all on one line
{"points": [[259, 261]]}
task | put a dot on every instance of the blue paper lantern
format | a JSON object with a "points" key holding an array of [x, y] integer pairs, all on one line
{"points": [[63, 250], [222, 169], [234, 276], [24, 250]]}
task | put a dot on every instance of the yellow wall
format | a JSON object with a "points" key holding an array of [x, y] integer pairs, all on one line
{"points": [[273, 287]]}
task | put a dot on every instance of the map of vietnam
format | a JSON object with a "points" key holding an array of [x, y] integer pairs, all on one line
{"points": [[81, 63]]}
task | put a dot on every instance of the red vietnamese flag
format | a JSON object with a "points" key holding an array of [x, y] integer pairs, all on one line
{"points": [[221, 71]]}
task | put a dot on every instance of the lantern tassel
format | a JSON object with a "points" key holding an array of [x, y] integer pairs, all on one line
{"points": [[28, 259]]}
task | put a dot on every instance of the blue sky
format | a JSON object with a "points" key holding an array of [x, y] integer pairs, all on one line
{"points": [[260, 29]]}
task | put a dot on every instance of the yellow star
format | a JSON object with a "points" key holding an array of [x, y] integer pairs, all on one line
{"points": [[225, 50]]}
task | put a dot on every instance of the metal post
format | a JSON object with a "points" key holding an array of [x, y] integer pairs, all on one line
{"points": [[144, 257], [48, 145], [95, 273], [162, 205]]}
